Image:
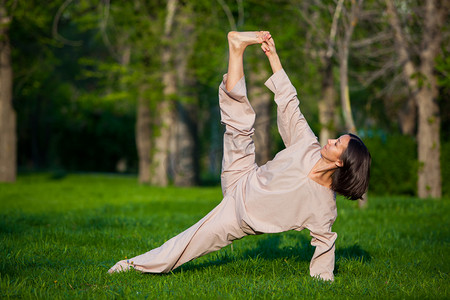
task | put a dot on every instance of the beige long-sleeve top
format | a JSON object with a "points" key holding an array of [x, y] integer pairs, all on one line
{"points": [[279, 195]]}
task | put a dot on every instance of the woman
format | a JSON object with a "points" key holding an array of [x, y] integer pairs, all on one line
{"points": [[294, 191]]}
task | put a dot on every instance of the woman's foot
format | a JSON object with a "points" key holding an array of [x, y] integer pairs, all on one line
{"points": [[121, 266], [239, 40]]}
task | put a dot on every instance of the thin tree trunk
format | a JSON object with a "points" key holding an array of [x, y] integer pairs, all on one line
{"points": [[327, 104], [344, 48], [143, 137], [8, 138], [345, 94], [409, 69], [346, 106], [261, 102], [160, 151]]}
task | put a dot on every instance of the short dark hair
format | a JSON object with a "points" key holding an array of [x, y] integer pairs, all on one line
{"points": [[352, 179]]}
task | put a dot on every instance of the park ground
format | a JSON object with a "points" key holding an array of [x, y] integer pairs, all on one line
{"points": [[60, 234]]}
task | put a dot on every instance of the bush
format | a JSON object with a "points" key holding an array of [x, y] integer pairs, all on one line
{"points": [[394, 165]]}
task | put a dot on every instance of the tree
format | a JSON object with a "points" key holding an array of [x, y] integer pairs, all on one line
{"points": [[173, 148], [327, 104], [160, 146], [8, 158], [322, 40], [348, 22], [418, 71], [184, 130]]}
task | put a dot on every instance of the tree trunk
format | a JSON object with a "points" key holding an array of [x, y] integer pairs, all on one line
{"points": [[423, 88], [261, 102], [143, 138], [428, 134], [160, 151], [327, 104], [428, 139], [344, 49], [345, 94], [8, 168], [183, 146]]}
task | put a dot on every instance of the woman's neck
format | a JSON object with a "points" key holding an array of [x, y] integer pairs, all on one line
{"points": [[322, 172]]}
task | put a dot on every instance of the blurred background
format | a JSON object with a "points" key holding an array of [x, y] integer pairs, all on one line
{"points": [[131, 86]]}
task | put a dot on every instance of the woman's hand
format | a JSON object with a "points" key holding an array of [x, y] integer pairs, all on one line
{"points": [[268, 46]]}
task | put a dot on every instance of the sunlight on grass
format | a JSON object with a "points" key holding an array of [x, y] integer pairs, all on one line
{"points": [[60, 236]]}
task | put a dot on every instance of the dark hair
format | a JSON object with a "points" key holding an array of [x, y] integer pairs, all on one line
{"points": [[352, 179]]}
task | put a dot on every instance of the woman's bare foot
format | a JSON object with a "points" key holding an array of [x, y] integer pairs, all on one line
{"points": [[239, 40], [121, 266]]}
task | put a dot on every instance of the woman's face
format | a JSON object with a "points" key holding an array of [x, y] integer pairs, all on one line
{"points": [[333, 150]]}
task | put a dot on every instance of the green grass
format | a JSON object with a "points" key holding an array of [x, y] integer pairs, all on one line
{"points": [[58, 238]]}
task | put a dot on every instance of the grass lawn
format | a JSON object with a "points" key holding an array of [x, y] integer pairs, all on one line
{"points": [[59, 237]]}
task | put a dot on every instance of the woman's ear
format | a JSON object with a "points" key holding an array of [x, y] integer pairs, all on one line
{"points": [[339, 163]]}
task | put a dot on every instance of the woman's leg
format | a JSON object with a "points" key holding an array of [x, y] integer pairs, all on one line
{"points": [[215, 231], [236, 112]]}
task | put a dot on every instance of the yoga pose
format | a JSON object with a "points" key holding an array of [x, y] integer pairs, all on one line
{"points": [[294, 191]]}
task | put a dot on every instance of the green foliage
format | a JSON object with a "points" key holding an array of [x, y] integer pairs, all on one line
{"points": [[445, 168], [394, 165], [59, 237], [76, 105], [443, 67]]}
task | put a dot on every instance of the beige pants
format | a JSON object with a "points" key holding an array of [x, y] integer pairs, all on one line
{"points": [[215, 231], [221, 226]]}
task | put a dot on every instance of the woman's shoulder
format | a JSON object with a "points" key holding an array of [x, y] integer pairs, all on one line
{"points": [[322, 197]]}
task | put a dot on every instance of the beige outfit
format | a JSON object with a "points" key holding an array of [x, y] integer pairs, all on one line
{"points": [[275, 197]]}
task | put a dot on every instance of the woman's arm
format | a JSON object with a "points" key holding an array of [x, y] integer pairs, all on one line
{"points": [[322, 262], [291, 123], [271, 52]]}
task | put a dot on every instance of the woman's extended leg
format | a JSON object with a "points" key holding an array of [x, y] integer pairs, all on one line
{"points": [[213, 232], [236, 112]]}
